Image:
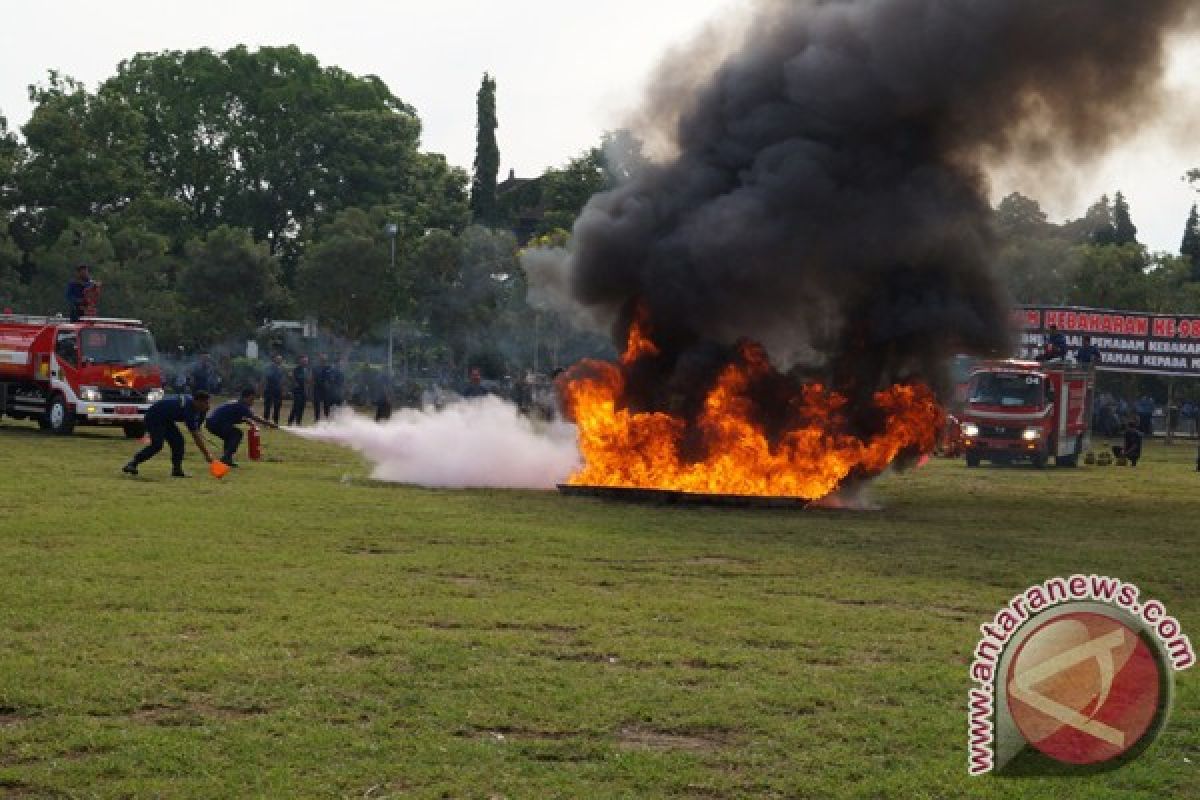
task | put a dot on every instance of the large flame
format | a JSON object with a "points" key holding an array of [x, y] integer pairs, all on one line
{"points": [[731, 452]]}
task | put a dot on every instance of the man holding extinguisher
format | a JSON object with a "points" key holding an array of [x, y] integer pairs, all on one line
{"points": [[223, 422]]}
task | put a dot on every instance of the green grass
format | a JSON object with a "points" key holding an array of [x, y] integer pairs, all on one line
{"points": [[299, 631]]}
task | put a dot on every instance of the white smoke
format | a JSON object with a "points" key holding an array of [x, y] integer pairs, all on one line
{"points": [[483, 442]]}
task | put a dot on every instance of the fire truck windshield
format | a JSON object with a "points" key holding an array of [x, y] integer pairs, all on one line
{"points": [[123, 346], [1006, 389]]}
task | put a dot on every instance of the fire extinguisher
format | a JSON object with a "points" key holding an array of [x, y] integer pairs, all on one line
{"points": [[254, 443]]}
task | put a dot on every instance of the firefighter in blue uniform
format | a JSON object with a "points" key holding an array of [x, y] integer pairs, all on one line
{"points": [[322, 380], [273, 389], [300, 381], [224, 420], [77, 292], [161, 426]]}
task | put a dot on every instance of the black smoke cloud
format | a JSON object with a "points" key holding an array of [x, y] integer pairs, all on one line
{"points": [[826, 193]]}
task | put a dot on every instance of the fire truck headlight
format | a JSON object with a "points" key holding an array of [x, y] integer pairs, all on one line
{"points": [[154, 395], [90, 394], [970, 430], [1031, 434]]}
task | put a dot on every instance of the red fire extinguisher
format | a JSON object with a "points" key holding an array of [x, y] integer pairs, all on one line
{"points": [[254, 443]]}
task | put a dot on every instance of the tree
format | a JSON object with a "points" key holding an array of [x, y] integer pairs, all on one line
{"points": [[487, 153], [345, 277], [228, 284], [1110, 276], [1124, 231], [10, 278], [1190, 249], [1031, 257], [84, 158], [10, 158], [269, 140]]}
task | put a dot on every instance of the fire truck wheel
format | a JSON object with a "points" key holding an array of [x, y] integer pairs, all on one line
{"points": [[60, 419], [1038, 461], [134, 430], [972, 460]]}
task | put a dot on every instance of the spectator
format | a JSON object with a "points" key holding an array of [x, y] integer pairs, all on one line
{"points": [[1133, 444], [1088, 353], [1144, 408], [273, 389], [381, 391], [474, 386], [321, 376], [203, 377], [301, 381]]}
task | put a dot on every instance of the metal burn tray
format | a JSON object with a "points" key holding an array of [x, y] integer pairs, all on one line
{"points": [[673, 497]]}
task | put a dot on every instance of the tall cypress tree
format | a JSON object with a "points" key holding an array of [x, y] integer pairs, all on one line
{"points": [[487, 154], [1125, 230], [1190, 249]]}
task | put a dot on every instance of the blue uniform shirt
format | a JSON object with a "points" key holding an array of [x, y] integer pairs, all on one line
{"points": [[76, 290], [229, 414], [176, 408]]}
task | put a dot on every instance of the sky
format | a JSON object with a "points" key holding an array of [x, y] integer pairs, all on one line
{"points": [[566, 71]]}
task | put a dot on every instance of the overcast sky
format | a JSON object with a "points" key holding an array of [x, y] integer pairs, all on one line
{"points": [[566, 71]]}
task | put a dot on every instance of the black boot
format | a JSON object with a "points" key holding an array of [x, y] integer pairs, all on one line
{"points": [[131, 468], [177, 472]]}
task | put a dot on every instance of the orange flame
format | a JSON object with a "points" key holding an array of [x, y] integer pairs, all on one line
{"points": [[122, 377], [734, 454]]}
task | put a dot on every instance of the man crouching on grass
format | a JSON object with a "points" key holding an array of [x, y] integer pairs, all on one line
{"points": [[223, 423], [161, 419]]}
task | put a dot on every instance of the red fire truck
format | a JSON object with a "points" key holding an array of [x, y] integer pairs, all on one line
{"points": [[1028, 410], [95, 371]]}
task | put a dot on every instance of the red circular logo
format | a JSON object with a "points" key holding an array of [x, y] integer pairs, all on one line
{"points": [[1084, 688]]}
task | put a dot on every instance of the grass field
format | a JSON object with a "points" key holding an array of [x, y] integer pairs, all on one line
{"points": [[299, 631]]}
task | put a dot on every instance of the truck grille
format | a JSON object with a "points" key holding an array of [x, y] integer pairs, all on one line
{"points": [[122, 396]]}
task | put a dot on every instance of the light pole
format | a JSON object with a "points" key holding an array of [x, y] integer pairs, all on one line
{"points": [[391, 229]]}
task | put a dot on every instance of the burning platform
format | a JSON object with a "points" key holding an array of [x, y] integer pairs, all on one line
{"points": [[675, 497]]}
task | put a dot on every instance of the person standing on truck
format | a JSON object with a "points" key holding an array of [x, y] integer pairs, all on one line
{"points": [[300, 381], [1056, 345], [161, 426], [77, 292], [1088, 354], [224, 420], [273, 389]]}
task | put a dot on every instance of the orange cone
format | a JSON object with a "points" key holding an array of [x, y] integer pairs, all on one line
{"points": [[218, 469]]}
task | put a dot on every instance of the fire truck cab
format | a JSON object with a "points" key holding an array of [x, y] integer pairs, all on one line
{"points": [[96, 371], [1028, 410]]}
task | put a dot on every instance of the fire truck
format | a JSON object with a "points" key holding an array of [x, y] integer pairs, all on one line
{"points": [[1028, 410], [96, 371]]}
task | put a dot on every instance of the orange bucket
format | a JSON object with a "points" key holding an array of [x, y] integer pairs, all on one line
{"points": [[218, 469]]}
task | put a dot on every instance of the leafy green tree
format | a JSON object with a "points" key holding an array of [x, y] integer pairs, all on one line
{"points": [[1031, 257], [229, 283], [11, 291], [1124, 231], [271, 141], [487, 153], [140, 284], [84, 157], [1190, 249], [1110, 276], [82, 241], [345, 277], [10, 158]]}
